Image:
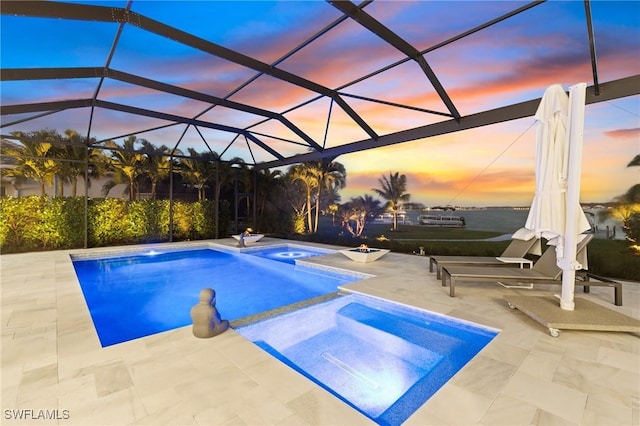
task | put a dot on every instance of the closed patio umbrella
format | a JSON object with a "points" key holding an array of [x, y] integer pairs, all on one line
{"points": [[555, 212]]}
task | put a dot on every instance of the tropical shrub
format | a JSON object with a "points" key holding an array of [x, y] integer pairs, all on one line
{"points": [[109, 222], [19, 219], [42, 223]]}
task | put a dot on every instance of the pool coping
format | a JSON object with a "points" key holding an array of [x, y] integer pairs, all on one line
{"points": [[51, 357]]}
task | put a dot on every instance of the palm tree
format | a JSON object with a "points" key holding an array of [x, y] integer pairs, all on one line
{"points": [[393, 189], [359, 210], [333, 209], [74, 152], [368, 207], [227, 172], [34, 159], [198, 169], [73, 155], [346, 213], [157, 164], [307, 175], [267, 182], [332, 176], [293, 195], [202, 168], [126, 163], [236, 171]]}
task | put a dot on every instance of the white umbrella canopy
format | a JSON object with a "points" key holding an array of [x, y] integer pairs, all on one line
{"points": [[555, 212], [546, 219]]}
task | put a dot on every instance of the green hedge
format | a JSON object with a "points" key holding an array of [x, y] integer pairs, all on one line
{"points": [[43, 223], [40, 223]]}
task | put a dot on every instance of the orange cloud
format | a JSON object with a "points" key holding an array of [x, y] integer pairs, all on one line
{"points": [[624, 134]]}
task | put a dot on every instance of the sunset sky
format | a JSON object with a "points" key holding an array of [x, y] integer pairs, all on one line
{"points": [[494, 166], [510, 62]]}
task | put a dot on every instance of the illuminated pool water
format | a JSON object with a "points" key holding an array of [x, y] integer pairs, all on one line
{"points": [[382, 358], [288, 253], [135, 295]]}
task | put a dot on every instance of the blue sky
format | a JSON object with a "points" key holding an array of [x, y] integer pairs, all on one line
{"points": [[512, 61]]}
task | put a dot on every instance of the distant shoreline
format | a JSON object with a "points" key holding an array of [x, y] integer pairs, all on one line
{"points": [[585, 206], [507, 220]]}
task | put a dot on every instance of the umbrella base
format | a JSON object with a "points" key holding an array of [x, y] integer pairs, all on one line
{"points": [[586, 316]]}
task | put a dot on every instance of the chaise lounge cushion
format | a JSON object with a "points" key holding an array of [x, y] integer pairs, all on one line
{"points": [[544, 271], [516, 249]]}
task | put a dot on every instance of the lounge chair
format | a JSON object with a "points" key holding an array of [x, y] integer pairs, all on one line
{"points": [[516, 250], [544, 271]]}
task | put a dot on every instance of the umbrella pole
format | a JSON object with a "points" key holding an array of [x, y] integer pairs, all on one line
{"points": [[568, 263]]}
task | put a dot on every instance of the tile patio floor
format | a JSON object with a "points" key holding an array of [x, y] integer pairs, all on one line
{"points": [[52, 360]]}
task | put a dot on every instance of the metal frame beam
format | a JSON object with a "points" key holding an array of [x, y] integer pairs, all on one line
{"points": [[373, 25], [119, 15], [592, 47], [11, 74], [596, 93], [624, 87], [397, 105], [185, 120], [432, 48], [83, 103]]}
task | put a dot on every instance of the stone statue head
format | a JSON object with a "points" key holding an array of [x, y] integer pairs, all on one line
{"points": [[208, 296]]}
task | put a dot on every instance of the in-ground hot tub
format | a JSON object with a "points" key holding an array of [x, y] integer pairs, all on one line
{"points": [[382, 358]]}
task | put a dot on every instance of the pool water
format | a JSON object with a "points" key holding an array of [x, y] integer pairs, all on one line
{"points": [[132, 296], [382, 358], [287, 254]]}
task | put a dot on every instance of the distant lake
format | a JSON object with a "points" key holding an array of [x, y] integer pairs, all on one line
{"points": [[507, 220]]}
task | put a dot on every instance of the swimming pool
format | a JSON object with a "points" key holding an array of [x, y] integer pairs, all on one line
{"points": [[135, 295], [382, 358]]}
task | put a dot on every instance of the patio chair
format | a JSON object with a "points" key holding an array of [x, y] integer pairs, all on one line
{"points": [[512, 255], [544, 271]]}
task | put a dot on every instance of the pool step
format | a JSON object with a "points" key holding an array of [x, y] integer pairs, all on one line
{"points": [[394, 332]]}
